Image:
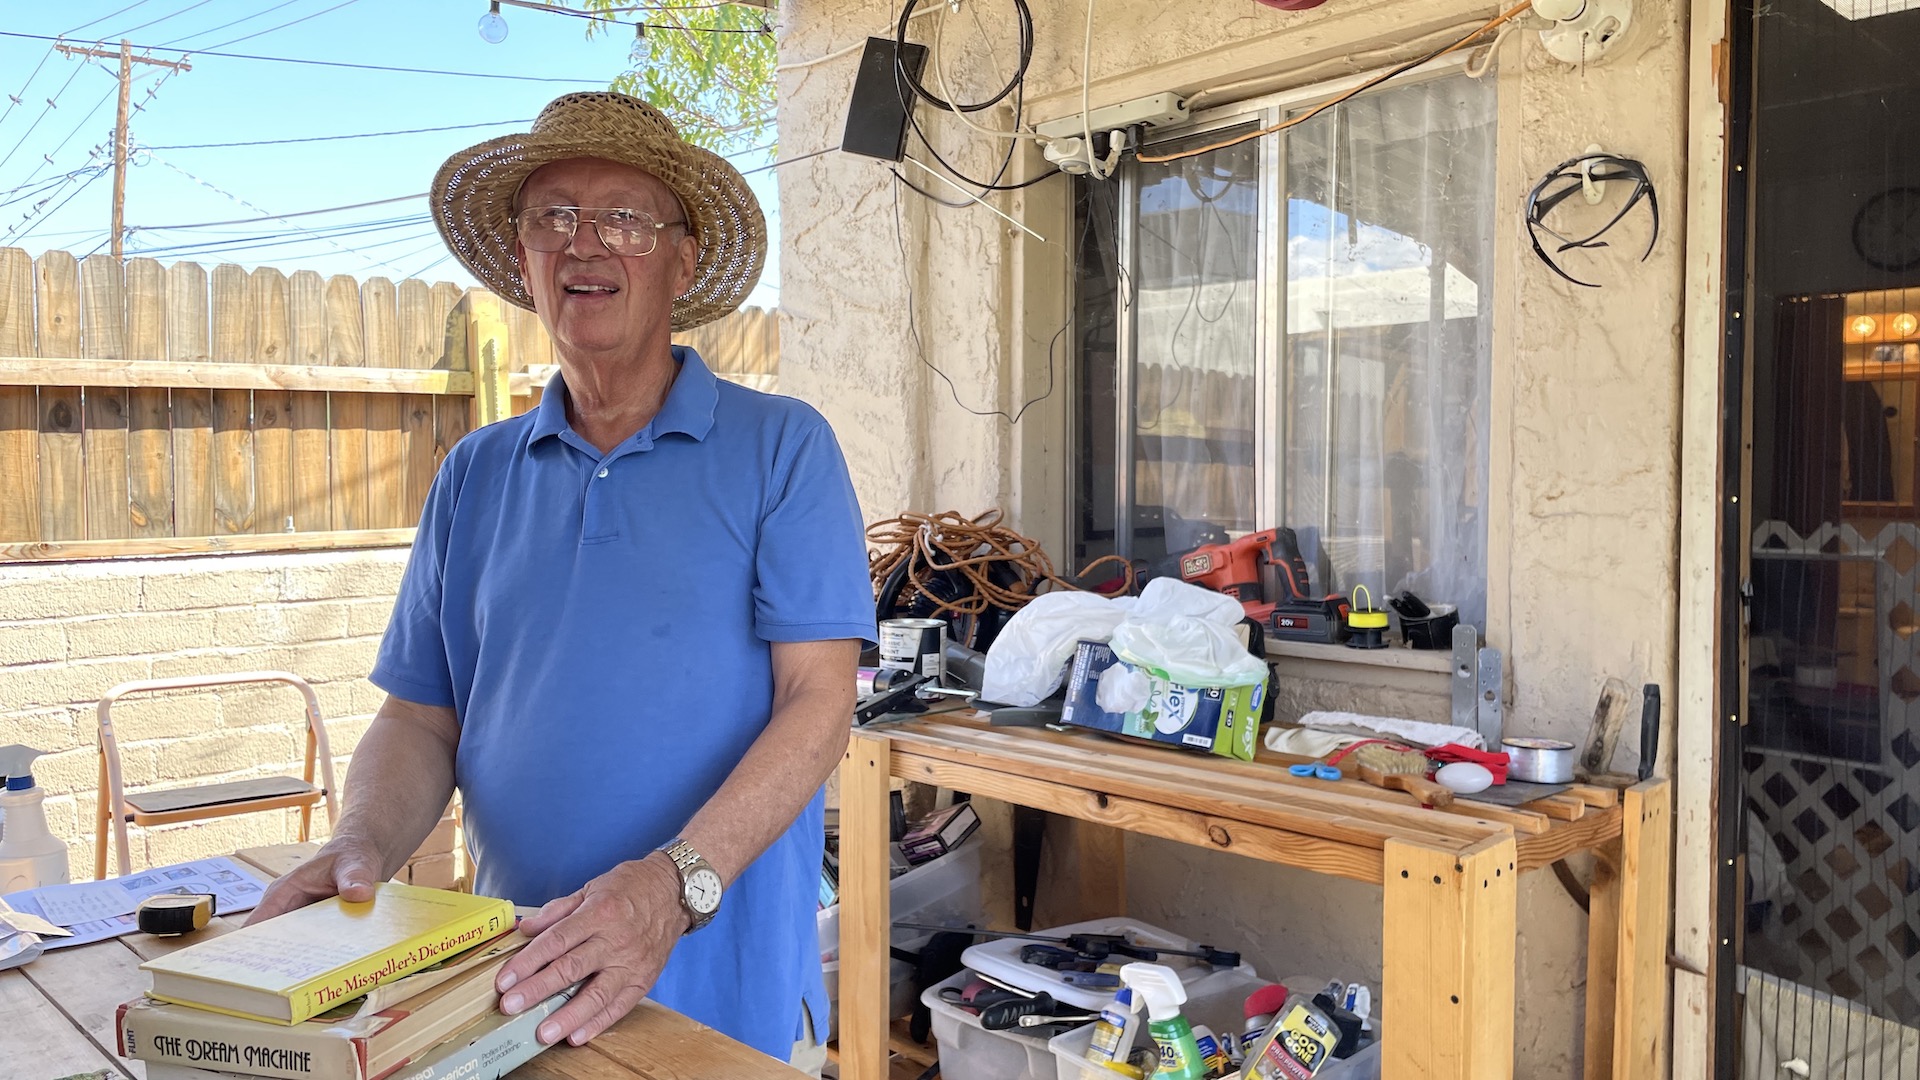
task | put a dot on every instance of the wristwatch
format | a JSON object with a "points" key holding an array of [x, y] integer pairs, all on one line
{"points": [[699, 882]]}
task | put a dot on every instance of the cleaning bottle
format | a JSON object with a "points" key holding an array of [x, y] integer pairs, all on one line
{"points": [[30, 855], [1163, 994], [1114, 1033]]}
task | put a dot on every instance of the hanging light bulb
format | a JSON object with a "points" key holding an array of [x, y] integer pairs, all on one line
{"points": [[642, 48], [493, 28]]}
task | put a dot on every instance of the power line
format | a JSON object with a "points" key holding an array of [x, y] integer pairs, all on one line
{"points": [[271, 217], [234, 22], [283, 26], [17, 236], [163, 18], [13, 100], [104, 18], [331, 138], [43, 112], [340, 64]]}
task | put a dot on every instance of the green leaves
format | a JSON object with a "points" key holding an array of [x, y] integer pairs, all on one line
{"points": [[709, 67]]}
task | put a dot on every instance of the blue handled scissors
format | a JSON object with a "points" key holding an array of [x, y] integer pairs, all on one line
{"points": [[1323, 772]]}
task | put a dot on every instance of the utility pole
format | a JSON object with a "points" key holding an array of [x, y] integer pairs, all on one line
{"points": [[120, 133]]}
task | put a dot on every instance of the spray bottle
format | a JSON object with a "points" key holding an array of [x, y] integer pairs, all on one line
{"points": [[1160, 988], [30, 855], [1114, 1033]]}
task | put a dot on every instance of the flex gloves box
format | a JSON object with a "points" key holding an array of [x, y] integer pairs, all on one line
{"points": [[1218, 720]]}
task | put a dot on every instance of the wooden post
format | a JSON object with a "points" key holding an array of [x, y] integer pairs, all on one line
{"points": [[865, 908], [125, 55], [62, 483], [487, 356], [103, 335], [149, 413], [188, 338], [1447, 964], [1627, 939]]}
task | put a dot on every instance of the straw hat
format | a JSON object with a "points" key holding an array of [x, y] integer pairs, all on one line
{"points": [[472, 197]]}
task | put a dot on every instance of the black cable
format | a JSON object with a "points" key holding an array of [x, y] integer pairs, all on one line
{"points": [[282, 26], [913, 81], [927, 195], [920, 347], [1578, 172]]}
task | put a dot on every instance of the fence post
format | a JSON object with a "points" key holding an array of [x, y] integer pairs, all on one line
{"points": [[487, 357]]}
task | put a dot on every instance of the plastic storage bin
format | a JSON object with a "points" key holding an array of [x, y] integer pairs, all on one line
{"points": [[1000, 958], [945, 891], [971, 1052], [1217, 1002]]}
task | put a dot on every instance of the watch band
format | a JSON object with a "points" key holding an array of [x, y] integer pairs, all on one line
{"points": [[686, 860]]}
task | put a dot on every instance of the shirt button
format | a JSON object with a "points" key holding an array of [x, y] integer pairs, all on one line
{"points": [[603, 474]]}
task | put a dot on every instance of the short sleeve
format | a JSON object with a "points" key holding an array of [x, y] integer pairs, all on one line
{"points": [[811, 581], [412, 663]]}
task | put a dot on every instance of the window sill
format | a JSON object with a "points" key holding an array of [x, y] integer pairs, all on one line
{"points": [[1397, 656]]}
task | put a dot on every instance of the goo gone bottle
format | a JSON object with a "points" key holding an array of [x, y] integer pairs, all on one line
{"points": [[1161, 990], [1113, 1034], [30, 855]]}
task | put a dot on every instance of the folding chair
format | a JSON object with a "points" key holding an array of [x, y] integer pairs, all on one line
{"points": [[200, 802]]}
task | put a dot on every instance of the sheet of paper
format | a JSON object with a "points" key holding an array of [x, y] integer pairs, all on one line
{"points": [[97, 910]]}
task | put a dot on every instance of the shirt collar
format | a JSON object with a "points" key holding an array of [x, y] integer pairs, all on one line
{"points": [[687, 410]]}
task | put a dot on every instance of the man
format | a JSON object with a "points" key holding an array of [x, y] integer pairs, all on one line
{"points": [[628, 628]]}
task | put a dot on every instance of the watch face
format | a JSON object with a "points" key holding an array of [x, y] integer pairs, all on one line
{"points": [[703, 891], [1886, 232]]}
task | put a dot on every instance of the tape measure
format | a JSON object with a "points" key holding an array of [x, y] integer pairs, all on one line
{"points": [[174, 913]]}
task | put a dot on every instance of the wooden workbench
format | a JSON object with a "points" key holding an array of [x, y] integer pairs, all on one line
{"points": [[56, 1020], [1450, 878]]}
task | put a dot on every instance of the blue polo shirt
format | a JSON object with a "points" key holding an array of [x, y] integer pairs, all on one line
{"points": [[601, 624]]}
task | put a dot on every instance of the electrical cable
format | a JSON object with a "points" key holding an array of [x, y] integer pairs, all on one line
{"points": [[849, 50], [920, 346], [104, 18], [283, 26], [233, 22], [43, 112], [940, 76], [332, 138], [1025, 15], [15, 235], [928, 195], [13, 100], [1492, 24], [163, 18], [282, 217], [47, 158], [335, 63]]}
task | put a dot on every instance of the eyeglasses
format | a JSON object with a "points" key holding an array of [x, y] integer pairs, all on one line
{"points": [[624, 230]]}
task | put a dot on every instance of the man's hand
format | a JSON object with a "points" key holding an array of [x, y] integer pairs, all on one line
{"points": [[615, 933], [347, 867]]}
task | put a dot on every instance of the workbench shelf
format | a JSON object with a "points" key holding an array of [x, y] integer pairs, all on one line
{"points": [[1450, 878]]}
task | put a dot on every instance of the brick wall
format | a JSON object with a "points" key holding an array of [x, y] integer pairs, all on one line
{"points": [[69, 632]]}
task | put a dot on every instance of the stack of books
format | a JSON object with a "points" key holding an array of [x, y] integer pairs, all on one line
{"points": [[400, 987]]}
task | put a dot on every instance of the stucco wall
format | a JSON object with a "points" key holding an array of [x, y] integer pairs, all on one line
{"points": [[1583, 466], [70, 632]]}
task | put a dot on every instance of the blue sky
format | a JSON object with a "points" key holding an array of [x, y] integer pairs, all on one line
{"points": [[233, 100]]}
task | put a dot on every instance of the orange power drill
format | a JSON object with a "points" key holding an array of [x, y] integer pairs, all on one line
{"points": [[1236, 568]]}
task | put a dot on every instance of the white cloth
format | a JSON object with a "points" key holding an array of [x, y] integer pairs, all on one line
{"points": [[1418, 732]]}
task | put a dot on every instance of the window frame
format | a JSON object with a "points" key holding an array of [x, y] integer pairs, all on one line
{"points": [[1270, 279]]}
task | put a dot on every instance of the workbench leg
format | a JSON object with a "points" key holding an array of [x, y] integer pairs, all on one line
{"points": [[865, 908], [1627, 939], [1447, 963]]}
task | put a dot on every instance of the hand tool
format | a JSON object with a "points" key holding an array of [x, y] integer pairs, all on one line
{"points": [[900, 697], [1267, 574], [1096, 947], [1603, 734], [1649, 729]]}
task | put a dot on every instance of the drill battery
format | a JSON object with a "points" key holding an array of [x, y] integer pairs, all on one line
{"points": [[1323, 620]]}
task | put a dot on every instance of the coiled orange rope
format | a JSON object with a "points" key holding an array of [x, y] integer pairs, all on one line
{"points": [[972, 548]]}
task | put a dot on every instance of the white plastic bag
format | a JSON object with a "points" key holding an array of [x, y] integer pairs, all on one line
{"points": [[1187, 633], [1028, 660]]}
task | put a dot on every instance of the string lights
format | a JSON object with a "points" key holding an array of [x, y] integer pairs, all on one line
{"points": [[493, 26]]}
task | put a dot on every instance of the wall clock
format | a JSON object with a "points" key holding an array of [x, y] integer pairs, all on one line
{"points": [[1886, 231]]}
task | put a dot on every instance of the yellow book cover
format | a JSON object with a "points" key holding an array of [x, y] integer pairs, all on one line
{"points": [[309, 960]]}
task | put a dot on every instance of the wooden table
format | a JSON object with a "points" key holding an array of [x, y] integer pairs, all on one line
{"points": [[1449, 878], [56, 1020]]}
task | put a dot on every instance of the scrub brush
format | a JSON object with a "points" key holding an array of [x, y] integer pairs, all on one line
{"points": [[1395, 768]]}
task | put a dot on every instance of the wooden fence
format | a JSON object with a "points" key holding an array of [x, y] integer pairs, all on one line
{"points": [[148, 409]]}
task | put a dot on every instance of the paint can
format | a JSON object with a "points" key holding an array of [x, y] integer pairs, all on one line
{"points": [[915, 645], [1539, 761], [868, 681]]}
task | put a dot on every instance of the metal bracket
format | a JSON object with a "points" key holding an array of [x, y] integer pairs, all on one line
{"points": [[1489, 714]]}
